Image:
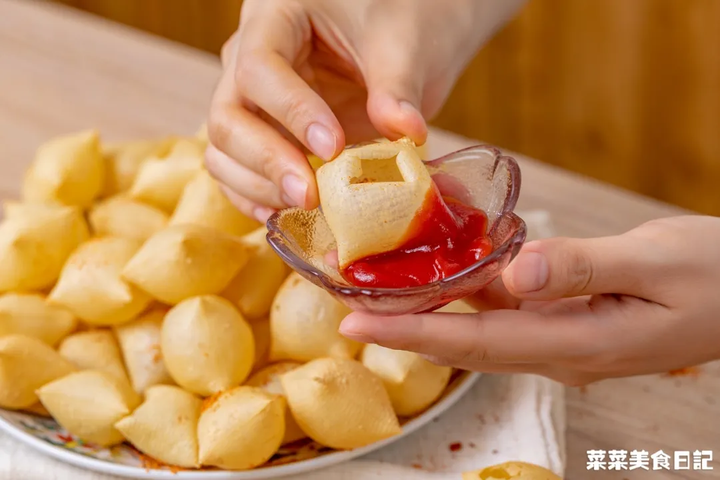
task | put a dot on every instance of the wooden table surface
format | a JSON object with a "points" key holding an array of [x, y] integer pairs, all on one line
{"points": [[62, 71]]}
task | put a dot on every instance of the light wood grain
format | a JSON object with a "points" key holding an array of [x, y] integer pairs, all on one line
{"points": [[61, 71], [198, 23], [623, 91]]}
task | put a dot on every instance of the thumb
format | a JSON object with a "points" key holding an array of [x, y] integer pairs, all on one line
{"points": [[568, 267], [395, 80]]}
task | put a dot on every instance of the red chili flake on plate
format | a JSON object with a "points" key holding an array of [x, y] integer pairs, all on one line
{"points": [[684, 372], [149, 463], [454, 447]]}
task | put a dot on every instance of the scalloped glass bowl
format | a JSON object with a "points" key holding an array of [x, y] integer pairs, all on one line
{"points": [[479, 176]]}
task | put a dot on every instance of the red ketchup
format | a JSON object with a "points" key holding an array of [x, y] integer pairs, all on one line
{"points": [[445, 238]]}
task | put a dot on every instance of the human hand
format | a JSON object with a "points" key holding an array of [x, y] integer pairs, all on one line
{"points": [[319, 74], [581, 310]]}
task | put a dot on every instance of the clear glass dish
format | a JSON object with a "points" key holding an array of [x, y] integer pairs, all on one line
{"points": [[479, 176]]}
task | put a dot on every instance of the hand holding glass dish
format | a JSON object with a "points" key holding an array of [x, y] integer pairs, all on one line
{"points": [[397, 235]]}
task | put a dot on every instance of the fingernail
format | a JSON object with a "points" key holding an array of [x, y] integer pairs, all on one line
{"points": [[408, 107], [346, 330], [321, 141], [262, 214], [529, 272], [295, 190]]}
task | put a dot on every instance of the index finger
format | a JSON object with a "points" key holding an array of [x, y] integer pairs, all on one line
{"points": [[246, 138], [272, 43], [498, 336]]}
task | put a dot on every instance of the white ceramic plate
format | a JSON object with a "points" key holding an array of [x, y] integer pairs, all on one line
{"points": [[46, 436]]}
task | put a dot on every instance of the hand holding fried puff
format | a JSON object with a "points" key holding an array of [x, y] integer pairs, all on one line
{"points": [[580, 310], [342, 85]]}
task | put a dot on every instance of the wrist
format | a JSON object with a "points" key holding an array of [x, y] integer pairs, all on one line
{"points": [[490, 16], [474, 22]]}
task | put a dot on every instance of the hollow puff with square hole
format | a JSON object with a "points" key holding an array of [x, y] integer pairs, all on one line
{"points": [[370, 196]]}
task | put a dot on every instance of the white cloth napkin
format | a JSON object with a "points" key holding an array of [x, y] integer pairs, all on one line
{"points": [[502, 418]]}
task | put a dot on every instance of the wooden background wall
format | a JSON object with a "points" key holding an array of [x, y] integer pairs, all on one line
{"points": [[626, 91]]}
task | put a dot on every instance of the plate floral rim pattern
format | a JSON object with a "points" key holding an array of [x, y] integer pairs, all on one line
{"points": [[44, 434]]}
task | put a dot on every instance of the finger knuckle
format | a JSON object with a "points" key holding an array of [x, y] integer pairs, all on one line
{"points": [[227, 49], [211, 163], [659, 227], [225, 55], [219, 129], [474, 350], [295, 113], [294, 15], [440, 361], [268, 164], [248, 65], [474, 354], [581, 272], [468, 355]]}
